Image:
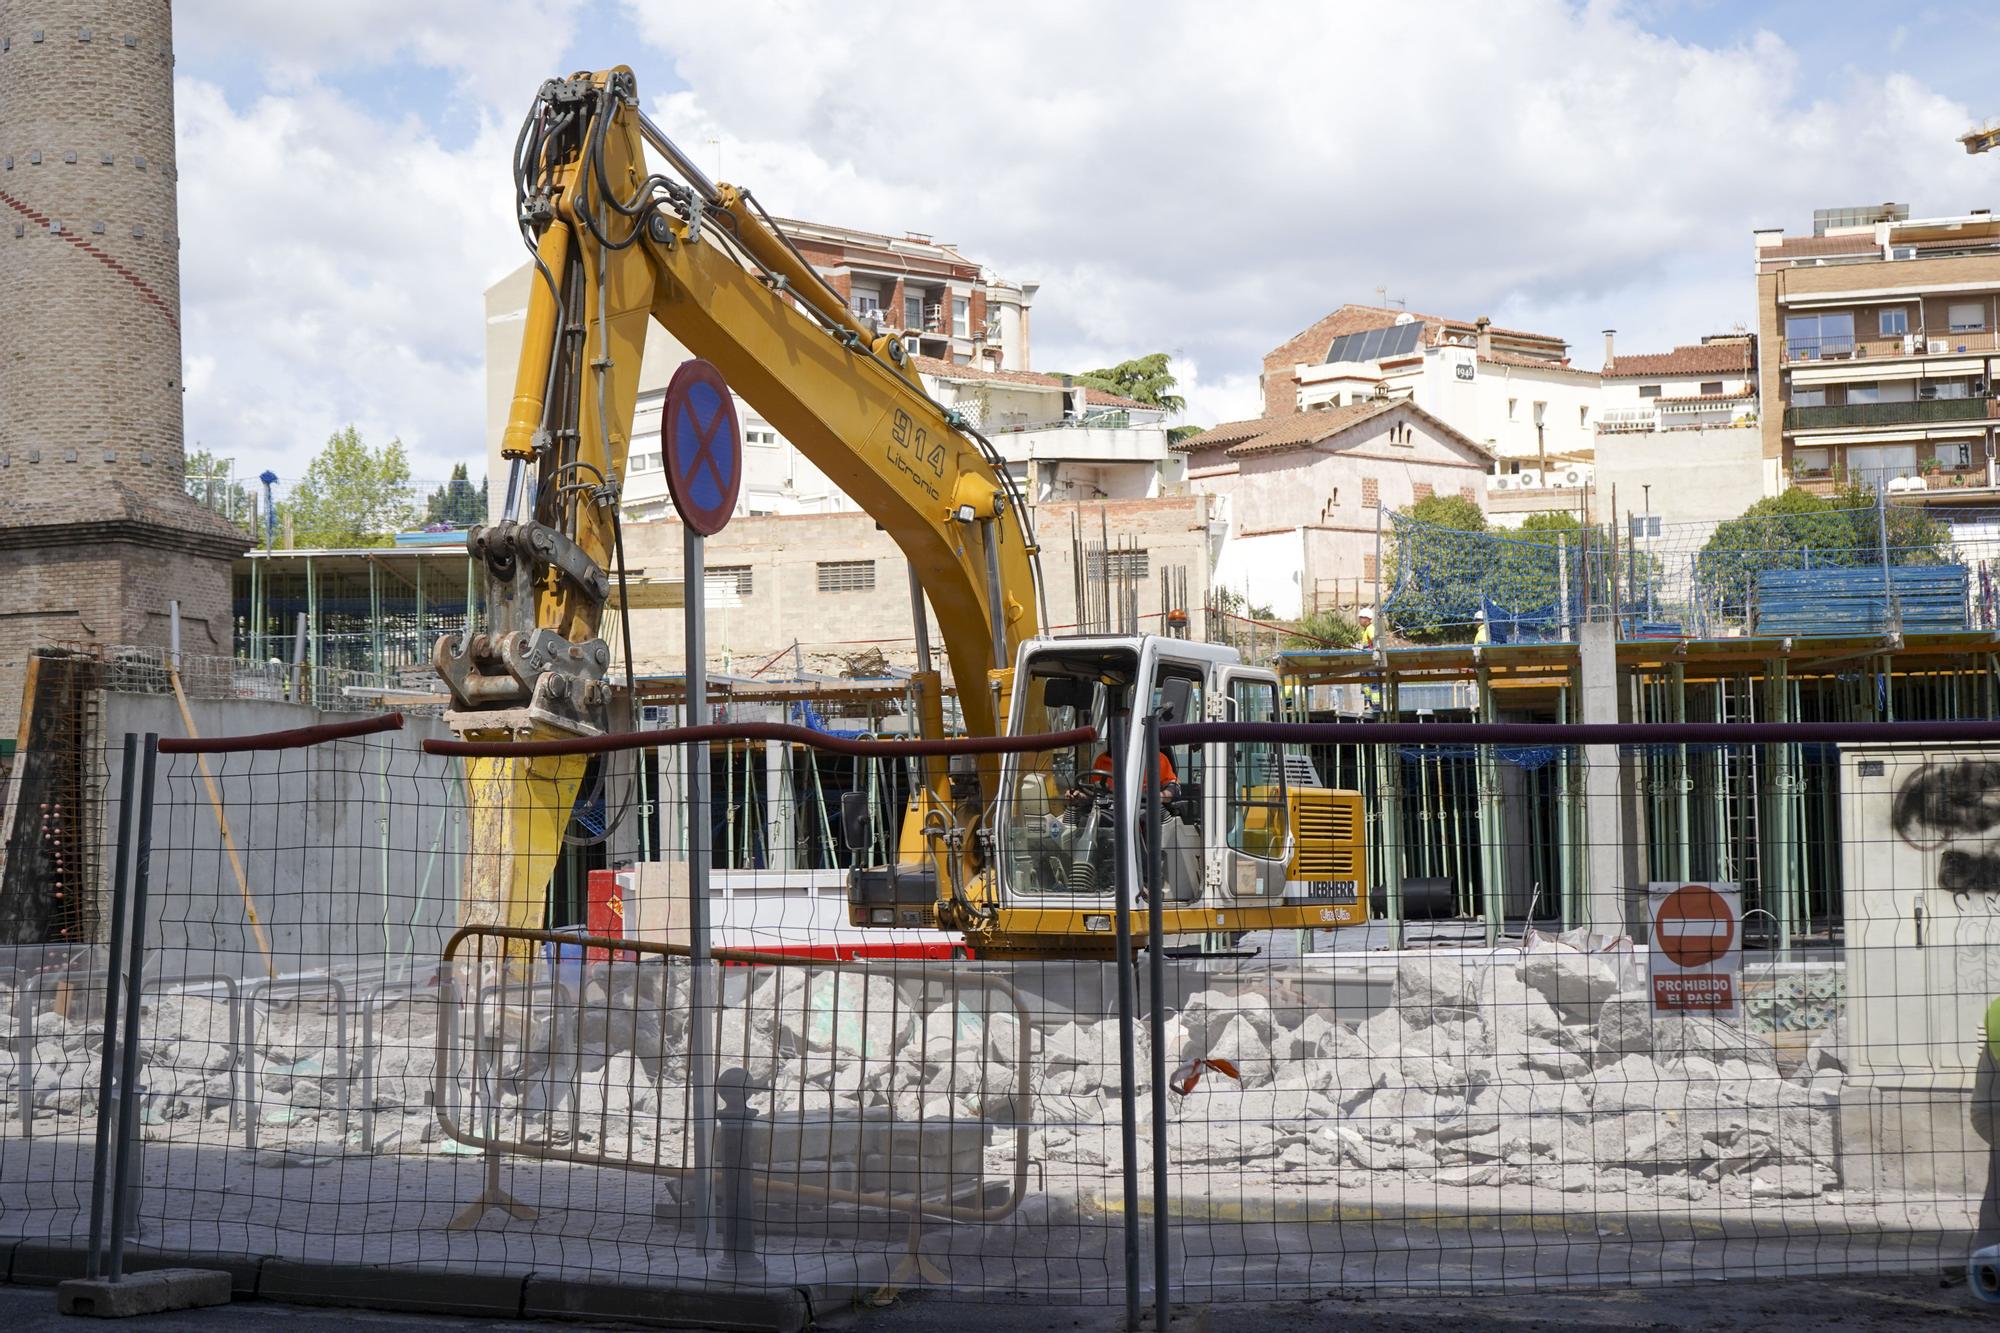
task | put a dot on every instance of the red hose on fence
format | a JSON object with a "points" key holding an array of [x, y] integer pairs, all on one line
{"points": [[297, 738]]}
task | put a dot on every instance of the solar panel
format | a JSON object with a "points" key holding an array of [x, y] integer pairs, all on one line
{"points": [[1375, 344]]}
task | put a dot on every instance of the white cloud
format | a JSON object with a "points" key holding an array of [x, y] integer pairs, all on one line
{"points": [[1213, 180], [1177, 176], [332, 272]]}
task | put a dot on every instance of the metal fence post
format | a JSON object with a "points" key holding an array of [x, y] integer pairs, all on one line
{"points": [[128, 1113], [734, 1117], [120, 887], [1128, 1127], [1156, 1028]]}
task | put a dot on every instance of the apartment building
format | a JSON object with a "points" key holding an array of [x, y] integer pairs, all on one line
{"points": [[1514, 392], [942, 304], [1882, 340]]}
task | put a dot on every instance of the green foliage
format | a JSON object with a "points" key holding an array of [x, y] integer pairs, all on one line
{"points": [[1445, 566], [352, 495], [456, 503], [1175, 434], [1328, 628], [1435, 562], [1146, 379], [1799, 530]]}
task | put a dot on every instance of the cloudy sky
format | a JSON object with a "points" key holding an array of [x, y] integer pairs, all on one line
{"points": [[1179, 176]]}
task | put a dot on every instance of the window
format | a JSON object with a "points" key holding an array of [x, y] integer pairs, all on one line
{"points": [[1649, 391], [1711, 388], [1809, 395], [1809, 460], [1864, 393], [913, 312], [961, 316], [1954, 455], [847, 576], [728, 580], [1582, 417], [1645, 525], [1969, 317], [1892, 322], [1126, 564], [1512, 404], [1811, 336], [1256, 776], [867, 303], [1540, 410], [766, 438]]}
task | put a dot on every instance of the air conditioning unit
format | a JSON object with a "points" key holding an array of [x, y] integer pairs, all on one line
{"points": [[1528, 480], [1937, 346], [1926, 392], [1978, 389], [1503, 482], [1573, 477], [1909, 344]]}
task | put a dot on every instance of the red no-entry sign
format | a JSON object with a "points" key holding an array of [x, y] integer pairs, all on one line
{"points": [[1694, 959]]}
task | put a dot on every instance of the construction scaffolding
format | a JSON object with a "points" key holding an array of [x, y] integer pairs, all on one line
{"points": [[378, 610], [1495, 839]]}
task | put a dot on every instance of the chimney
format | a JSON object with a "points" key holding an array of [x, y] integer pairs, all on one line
{"points": [[1607, 346], [1484, 328]]}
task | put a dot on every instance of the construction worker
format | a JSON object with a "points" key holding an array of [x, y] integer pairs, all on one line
{"points": [[1367, 618], [1101, 770], [1986, 1124]]}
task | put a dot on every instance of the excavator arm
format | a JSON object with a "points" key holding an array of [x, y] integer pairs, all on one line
{"points": [[616, 245]]}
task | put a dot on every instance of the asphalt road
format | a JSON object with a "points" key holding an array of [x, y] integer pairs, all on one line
{"points": [[1769, 1307]]}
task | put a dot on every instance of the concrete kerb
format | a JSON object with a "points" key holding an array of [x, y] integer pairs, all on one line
{"points": [[1556, 1214], [362, 1286], [253, 1277], [751, 1309]]}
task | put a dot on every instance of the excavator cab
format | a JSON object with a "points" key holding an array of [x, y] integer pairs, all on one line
{"points": [[1224, 816]]}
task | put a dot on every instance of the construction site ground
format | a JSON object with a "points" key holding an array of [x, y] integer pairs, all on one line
{"points": [[1777, 1306]]}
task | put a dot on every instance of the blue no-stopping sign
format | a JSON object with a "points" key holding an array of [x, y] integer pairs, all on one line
{"points": [[702, 447]]}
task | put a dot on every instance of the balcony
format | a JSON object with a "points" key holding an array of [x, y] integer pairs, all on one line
{"points": [[1887, 414], [1798, 350]]}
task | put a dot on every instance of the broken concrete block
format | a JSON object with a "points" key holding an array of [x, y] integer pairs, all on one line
{"points": [[1207, 1012], [1577, 984], [1429, 988]]}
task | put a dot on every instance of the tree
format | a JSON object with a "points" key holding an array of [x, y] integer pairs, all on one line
{"points": [[211, 481], [1144, 379], [352, 495], [1437, 558], [456, 504], [1327, 628], [1799, 530]]}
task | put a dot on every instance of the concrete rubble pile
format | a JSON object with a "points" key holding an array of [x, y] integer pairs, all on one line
{"points": [[1546, 1067]]}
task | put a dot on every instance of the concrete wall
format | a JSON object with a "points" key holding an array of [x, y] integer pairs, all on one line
{"points": [[834, 630], [1702, 475], [354, 851]]}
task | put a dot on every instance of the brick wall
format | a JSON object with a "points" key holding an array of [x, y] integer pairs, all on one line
{"points": [[96, 535]]}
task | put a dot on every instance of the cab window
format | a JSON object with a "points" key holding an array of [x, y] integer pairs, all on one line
{"points": [[1256, 799]]}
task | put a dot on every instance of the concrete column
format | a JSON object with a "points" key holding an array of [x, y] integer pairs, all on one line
{"points": [[1604, 823]]}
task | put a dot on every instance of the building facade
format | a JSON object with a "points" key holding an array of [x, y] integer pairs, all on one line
{"points": [[940, 303], [98, 534], [1301, 499], [1881, 340], [1514, 392], [1678, 436]]}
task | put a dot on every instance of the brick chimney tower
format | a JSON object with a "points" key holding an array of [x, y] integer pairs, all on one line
{"points": [[96, 530]]}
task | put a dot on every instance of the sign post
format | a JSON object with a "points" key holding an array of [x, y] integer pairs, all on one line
{"points": [[1695, 964], [702, 449]]}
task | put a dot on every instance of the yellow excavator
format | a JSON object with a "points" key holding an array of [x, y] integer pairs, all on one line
{"points": [[1014, 852]]}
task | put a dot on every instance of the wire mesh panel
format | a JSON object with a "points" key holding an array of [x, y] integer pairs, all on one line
{"points": [[370, 1034]]}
